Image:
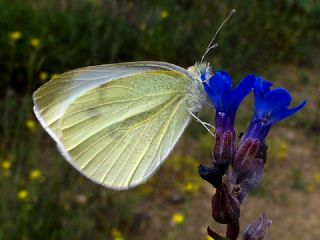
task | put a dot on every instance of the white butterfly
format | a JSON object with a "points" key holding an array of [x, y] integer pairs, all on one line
{"points": [[117, 123]]}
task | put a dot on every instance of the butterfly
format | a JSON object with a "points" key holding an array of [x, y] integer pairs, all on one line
{"points": [[117, 123]]}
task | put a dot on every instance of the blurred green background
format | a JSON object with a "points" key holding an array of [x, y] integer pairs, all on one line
{"points": [[42, 197]]}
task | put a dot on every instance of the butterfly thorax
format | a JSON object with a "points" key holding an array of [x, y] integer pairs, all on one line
{"points": [[200, 72]]}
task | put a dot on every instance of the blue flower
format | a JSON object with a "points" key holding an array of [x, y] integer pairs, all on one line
{"points": [[225, 99], [271, 106]]}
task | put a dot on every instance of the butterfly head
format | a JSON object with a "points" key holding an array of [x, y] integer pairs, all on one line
{"points": [[200, 73]]}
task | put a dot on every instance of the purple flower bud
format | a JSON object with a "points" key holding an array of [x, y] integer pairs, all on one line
{"points": [[214, 174], [257, 229], [224, 148], [225, 207], [247, 168], [249, 180], [245, 154]]}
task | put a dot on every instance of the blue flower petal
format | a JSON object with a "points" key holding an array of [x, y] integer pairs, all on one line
{"points": [[218, 88], [283, 113], [278, 98], [261, 87], [224, 99], [213, 97], [271, 105], [242, 90], [220, 82]]}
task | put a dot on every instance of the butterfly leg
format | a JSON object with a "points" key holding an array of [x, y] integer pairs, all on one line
{"points": [[204, 124]]}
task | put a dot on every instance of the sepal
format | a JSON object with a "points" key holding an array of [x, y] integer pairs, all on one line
{"points": [[225, 207], [257, 229]]}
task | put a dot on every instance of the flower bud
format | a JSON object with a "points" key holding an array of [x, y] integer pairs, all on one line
{"points": [[214, 174], [245, 154], [224, 148], [225, 208], [257, 229], [247, 181]]}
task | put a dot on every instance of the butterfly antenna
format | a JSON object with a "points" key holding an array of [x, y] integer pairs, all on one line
{"points": [[211, 45]]}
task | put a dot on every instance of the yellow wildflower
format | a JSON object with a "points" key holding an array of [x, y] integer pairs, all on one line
{"points": [[130, 4], [54, 75], [164, 14], [116, 234], [317, 177], [142, 26], [282, 151], [190, 187], [209, 238], [14, 36], [30, 124], [6, 164], [35, 174], [35, 42], [23, 194], [310, 188], [177, 218], [43, 76]]}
